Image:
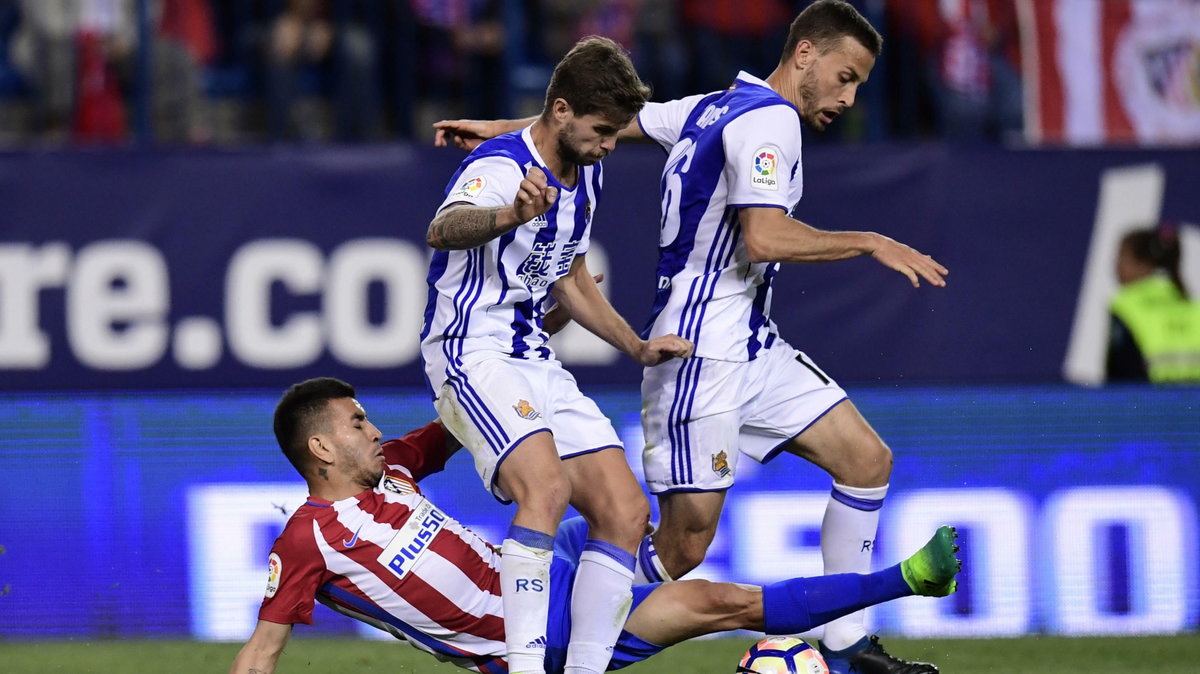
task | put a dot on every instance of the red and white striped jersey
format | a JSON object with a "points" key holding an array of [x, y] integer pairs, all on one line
{"points": [[389, 557]]}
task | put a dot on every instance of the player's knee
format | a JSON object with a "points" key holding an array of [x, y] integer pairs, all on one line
{"points": [[880, 469], [870, 466], [633, 515], [691, 552], [549, 498], [624, 520]]}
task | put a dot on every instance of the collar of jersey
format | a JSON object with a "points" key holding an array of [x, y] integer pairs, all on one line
{"points": [[746, 78], [541, 163], [326, 503]]}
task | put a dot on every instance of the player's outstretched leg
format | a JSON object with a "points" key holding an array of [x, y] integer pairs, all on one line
{"points": [[929, 572]]}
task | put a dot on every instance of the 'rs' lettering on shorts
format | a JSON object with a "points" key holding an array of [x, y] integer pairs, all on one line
{"points": [[699, 414], [492, 402]]}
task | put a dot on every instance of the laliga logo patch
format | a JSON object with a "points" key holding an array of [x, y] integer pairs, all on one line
{"points": [[720, 463], [526, 411], [766, 168], [274, 570], [471, 188]]}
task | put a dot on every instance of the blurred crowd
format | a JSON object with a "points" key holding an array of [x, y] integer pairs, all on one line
{"points": [[201, 72]]}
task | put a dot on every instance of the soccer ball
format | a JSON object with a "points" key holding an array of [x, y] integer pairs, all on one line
{"points": [[782, 655]]}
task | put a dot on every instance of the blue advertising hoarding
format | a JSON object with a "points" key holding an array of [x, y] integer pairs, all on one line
{"points": [[151, 514], [251, 268]]}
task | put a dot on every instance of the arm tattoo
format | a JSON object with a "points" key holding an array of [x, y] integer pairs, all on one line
{"points": [[256, 671], [462, 228]]}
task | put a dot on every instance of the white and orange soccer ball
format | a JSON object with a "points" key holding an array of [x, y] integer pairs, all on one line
{"points": [[782, 655]]}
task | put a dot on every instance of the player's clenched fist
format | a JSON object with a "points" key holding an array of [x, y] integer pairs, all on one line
{"points": [[534, 196], [661, 349]]}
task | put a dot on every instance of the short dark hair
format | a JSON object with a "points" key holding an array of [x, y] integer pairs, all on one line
{"points": [[825, 22], [1158, 247], [299, 411], [597, 77]]}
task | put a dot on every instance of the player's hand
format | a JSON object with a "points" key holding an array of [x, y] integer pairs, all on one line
{"points": [[557, 317], [464, 134], [661, 349], [534, 196], [910, 262]]}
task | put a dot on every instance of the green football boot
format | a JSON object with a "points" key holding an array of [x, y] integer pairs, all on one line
{"points": [[930, 571]]}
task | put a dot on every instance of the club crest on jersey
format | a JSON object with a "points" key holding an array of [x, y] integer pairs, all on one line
{"points": [[470, 187], [587, 212], [397, 486], [720, 464], [526, 411], [274, 570], [765, 175]]}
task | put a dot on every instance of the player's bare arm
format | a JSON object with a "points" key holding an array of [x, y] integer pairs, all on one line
{"points": [[462, 226], [467, 134], [557, 318], [770, 235], [262, 650], [578, 294]]}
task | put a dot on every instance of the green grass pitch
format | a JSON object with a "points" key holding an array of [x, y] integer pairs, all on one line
{"points": [[1029, 655]]}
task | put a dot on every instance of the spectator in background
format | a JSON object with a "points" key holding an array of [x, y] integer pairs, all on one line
{"points": [[80, 57], [970, 58], [185, 42], [310, 57], [563, 22], [460, 45], [43, 51], [659, 52], [731, 35], [1155, 334]]}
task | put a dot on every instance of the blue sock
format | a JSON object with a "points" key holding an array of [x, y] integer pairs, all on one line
{"points": [[800, 604], [530, 537]]}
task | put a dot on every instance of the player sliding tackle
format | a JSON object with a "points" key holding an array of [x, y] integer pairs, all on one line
{"points": [[368, 544]]}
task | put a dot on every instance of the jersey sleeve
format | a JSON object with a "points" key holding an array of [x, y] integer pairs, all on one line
{"points": [[294, 573], [762, 157], [488, 181], [663, 122], [422, 452]]}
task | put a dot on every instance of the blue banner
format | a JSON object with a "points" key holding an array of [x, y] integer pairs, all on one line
{"points": [[254, 268], [152, 514]]}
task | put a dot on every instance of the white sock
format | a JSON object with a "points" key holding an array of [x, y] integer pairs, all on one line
{"points": [[525, 593], [649, 568], [847, 542], [600, 603]]}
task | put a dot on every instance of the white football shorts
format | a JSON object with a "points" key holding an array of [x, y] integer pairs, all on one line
{"points": [[699, 414], [493, 402]]}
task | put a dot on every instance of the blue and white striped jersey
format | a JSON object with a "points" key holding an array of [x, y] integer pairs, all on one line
{"points": [[726, 150], [492, 298]]}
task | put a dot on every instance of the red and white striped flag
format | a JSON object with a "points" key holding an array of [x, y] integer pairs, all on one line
{"points": [[1111, 71]]}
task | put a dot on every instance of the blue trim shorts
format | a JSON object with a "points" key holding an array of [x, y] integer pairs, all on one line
{"points": [[492, 402], [699, 415]]}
